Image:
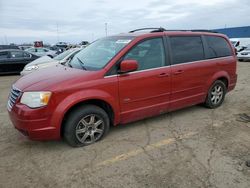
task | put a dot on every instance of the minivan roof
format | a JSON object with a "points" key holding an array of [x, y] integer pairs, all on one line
{"points": [[161, 31]]}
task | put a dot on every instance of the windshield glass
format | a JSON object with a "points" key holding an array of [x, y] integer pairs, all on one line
{"points": [[99, 53], [64, 54]]}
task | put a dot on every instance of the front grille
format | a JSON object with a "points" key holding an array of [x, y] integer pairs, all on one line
{"points": [[13, 96], [244, 53]]}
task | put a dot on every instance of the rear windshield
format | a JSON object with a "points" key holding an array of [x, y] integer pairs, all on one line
{"points": [[96, 55], [64, 54], [248, 47]]}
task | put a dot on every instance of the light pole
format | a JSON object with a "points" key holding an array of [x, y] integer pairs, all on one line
{"points": [[57, 32], [106, 29]]}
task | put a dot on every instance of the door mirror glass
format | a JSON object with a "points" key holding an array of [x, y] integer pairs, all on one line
{"points": [[128, 66]]}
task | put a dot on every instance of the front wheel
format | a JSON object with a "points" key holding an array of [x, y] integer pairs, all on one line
{"points": [[86, 125], [216, 94]]}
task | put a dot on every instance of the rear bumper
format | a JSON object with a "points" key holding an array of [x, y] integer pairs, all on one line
{"points": [[33, 123]]}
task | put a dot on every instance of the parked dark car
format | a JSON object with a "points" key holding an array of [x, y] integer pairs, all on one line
{"points": [[13, 61]]}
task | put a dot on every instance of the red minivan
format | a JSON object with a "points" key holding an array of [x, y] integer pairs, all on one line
{"points": [[120, 79]]}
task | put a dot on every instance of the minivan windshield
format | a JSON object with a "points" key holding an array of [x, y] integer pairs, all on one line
{"points": [[96, 55]]}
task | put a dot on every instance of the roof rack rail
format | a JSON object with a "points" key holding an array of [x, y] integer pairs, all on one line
{"points": [[194, 30], [161, 29], [154, 29], [204, 30]]}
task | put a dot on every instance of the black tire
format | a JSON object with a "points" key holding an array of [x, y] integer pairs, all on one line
{"points": [[241, 60], [78, 125], [211, 102]]}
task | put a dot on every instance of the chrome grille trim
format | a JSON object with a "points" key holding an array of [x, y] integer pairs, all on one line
{"points": [[13, 96]]}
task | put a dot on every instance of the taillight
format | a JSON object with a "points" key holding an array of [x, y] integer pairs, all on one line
{"points": [[235, 50]]}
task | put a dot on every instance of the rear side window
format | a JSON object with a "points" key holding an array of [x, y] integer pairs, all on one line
{"points": [[217, 47], [186, 49], [16, 54], [3, 55]]}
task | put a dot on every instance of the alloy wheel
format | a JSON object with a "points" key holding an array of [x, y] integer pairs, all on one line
{"points": [[89, 129], [216, 94]]}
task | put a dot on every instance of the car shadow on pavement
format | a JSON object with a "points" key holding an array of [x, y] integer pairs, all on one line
{"points": [[114, 130]]}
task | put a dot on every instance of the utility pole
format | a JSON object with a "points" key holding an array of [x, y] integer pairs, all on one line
{"points": [[106, 29], [5, 39], [57, 32]]}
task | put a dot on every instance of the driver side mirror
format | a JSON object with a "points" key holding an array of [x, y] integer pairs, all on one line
{"points": [[128, 66]]}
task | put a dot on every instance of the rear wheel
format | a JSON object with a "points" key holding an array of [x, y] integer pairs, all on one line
{"points": [[86, 125], [216, 94]]}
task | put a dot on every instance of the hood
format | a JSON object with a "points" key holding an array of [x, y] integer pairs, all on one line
{"points": [[246, 51], [51, 78], [48, 64], [41, 60]]}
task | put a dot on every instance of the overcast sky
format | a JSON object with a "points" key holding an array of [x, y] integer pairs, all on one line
{"points": [[77, 20]]}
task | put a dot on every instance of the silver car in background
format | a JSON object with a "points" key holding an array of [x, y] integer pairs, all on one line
{"points": [[244, 55], [39, 51], [46, 61]]}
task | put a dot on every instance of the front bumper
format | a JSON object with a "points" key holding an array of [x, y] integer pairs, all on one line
{"points": [[33, 123], [241, 57]]}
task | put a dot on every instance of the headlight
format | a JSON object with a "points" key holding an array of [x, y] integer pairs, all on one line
{"points": [[32, 67], [36, 99]]}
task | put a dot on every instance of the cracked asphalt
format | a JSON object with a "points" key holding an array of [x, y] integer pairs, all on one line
{"points": [[192, 147]]}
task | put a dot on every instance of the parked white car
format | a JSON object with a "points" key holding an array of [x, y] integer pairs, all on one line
{"points": [[46, 61], [240, 43], [41, 51], [245, 54]]}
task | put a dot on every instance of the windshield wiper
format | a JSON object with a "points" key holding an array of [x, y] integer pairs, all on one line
{"points": [[68, 63], [81, 63]]}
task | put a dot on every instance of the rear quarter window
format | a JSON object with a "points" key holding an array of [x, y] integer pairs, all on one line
{"points": [[218, 47]]}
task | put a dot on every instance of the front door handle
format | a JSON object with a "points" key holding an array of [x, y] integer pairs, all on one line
{"points": [[178, 72], [163, 75]]}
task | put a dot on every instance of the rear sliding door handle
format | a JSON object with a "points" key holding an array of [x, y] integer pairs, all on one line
{"points": [[178, 72], [163, 75]]}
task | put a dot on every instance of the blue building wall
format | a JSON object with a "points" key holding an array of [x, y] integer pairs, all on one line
{"points": [[235, 32]]}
